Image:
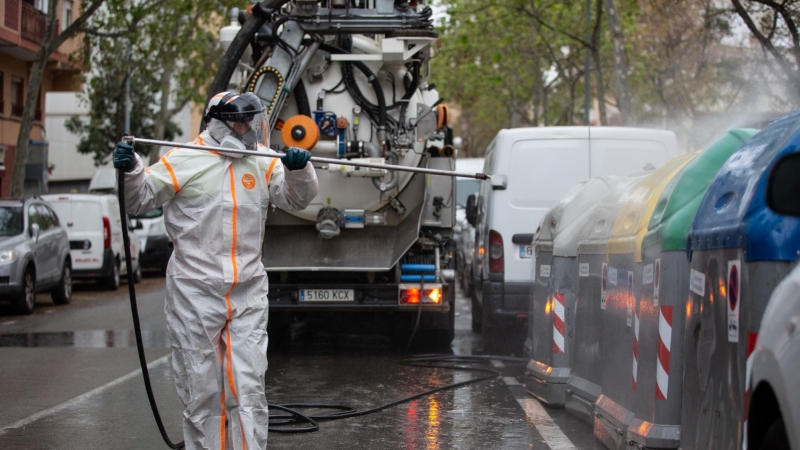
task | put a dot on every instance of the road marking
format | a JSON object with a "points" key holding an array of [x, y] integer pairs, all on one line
{"points": [[551, 433], [497, 364], [10, 322], [544, 424], [55, 409]]}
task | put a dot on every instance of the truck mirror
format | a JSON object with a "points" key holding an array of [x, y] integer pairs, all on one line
{"points": [[472, 210], [783, 186], [499, 182]]}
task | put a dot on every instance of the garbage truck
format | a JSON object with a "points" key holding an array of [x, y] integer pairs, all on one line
{"points": [[349, 80]]}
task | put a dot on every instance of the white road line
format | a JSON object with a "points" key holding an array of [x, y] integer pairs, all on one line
{"points": [[10, 322], [551, 433], [80, 398], [497, 364]]}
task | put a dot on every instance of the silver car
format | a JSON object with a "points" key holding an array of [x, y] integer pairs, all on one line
{"points": [[34, 254]]}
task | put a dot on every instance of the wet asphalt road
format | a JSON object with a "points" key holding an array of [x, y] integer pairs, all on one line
{"points": [[69, 379]]}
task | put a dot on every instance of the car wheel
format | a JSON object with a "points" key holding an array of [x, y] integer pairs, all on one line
{"points": [[476, 316], [137, 276], [62, 294], [112, 282], [27, 298]]}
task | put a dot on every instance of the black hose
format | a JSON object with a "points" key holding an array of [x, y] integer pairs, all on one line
{"points": [[373, 80], [230, 60], [301, 98], [126, 240]]}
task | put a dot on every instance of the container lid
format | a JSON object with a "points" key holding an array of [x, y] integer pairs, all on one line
{"points": [[631, 223], [596, 229], [733, 213], [672, 218], [565, 224]]}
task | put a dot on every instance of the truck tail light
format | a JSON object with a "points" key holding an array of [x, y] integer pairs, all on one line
{"points": [[106, 233], [496, 261], [413, 296]]}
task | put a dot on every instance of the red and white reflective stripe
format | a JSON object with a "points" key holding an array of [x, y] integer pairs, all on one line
{"points": [[748, 372], [558, 323], [664, 344], [635, 349]]}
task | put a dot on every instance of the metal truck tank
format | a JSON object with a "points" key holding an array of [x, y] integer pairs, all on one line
{"points": [[620, 372], [555, 277], [657, 408], [739, 250], [583, 385]]}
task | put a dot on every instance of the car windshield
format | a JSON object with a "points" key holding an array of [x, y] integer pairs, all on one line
{"points": [[11, 220], [152, 214]]}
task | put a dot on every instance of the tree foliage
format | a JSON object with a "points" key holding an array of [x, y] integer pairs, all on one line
{"points": [[686, 60], [169, 51]]}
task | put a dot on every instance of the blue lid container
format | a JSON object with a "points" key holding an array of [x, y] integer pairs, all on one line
{"points": [[734, 212]]}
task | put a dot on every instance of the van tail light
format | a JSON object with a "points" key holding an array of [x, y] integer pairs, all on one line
{"points": [[106, 233], [496, 261]]}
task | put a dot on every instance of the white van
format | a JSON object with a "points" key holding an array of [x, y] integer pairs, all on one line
{"points": [[531, 169], [94, 228]]}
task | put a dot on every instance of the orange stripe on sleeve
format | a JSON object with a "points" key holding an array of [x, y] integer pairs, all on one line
{"points": [[171, 172], [271, 167]]}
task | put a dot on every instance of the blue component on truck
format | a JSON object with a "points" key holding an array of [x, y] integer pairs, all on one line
{"points": [[734, 212], [417, 268], [326, 121], [342, 142], [415, 278]]}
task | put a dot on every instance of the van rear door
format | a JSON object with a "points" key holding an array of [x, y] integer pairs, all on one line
{"points": [[540, 172], [86, 238]]}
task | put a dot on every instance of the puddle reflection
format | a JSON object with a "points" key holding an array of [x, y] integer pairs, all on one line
{"points": [[85, 339]]}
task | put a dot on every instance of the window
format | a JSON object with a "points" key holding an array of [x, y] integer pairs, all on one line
{"points": [[66, 18], [33, 217], [17, 96]]}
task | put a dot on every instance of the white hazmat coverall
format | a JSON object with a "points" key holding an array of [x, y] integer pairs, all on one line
{"points": [[215, 207]]}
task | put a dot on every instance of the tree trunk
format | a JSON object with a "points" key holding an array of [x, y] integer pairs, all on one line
{"points": [[601, 91], [31, 99], [620, 64], [160, 125]]}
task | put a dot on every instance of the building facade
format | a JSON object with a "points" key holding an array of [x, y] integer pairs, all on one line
{"points": [[22, 30]]}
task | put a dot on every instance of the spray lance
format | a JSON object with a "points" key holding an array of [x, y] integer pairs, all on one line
{"points": [[343, 162]]}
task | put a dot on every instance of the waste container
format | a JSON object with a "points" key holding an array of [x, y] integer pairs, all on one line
{"points": [[665, 270], [620, 374], [739, 250], [583, 385], [555, 283]]}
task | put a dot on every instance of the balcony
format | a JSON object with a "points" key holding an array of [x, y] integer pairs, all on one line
{"points": [[34, 23]]}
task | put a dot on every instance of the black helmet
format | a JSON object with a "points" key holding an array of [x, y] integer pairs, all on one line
{"points": [[233, 107]]}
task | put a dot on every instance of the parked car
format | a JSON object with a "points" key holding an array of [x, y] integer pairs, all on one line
{"points": [[34, 254], [95, 235], [531, 169], [465, 233], [155, 243], [773, 419]]}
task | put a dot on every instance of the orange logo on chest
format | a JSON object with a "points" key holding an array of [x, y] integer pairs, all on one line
{"points": [[248, 181]]}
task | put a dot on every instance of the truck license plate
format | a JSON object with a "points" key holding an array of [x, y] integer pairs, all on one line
{"points": [[525, 251], [327, 295]]}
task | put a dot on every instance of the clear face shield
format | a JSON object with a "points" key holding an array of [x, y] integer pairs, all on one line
{"points": [[244, 133]]}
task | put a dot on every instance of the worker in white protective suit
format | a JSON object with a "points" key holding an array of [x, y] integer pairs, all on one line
{"points": [[215, 205]]}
